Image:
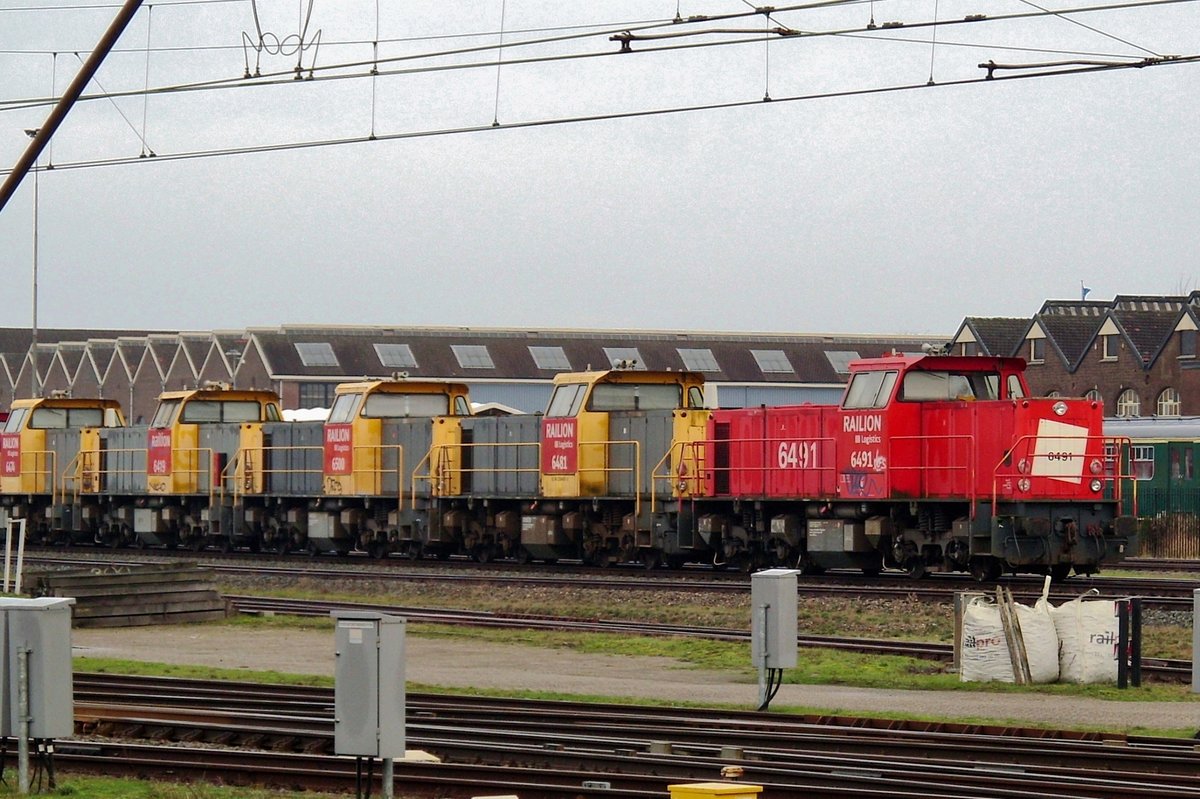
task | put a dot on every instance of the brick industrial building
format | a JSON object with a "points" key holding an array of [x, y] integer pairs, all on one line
{"points": [[1137, 354]]}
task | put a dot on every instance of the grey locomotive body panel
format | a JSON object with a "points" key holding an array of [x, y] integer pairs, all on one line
{"points": [[502, 459]]}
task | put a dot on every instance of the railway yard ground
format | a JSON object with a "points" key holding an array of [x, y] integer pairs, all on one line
{"points": [[486, 665], [552, 666]]}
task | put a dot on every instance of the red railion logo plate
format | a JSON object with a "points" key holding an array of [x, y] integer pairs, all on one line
{"points": [[339, 446], [10, 454], [158, 451], [560, 446]]}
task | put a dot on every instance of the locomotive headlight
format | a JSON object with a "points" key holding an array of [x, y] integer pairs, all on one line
{"points": [[1059, 408], [1097, 485], [1023, 484], [1095, 466], [1023, 465]]}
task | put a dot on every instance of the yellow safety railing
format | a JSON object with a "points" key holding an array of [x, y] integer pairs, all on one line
{"points": [[439, 471], [45, 463], [72, 478], [244, 458], [657, 472], [195, 466]]}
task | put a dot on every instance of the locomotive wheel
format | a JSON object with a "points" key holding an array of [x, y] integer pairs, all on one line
{"points": [[226, 545], [651, 559], [484, 554], [676, 561], [985, 570], [914, 567], [601, 558], [196, 544], [377, 550], [807, 567], [523, 555], [1060, 572]]}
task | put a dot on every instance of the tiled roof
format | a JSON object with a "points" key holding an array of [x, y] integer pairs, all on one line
{"points": [[1148, 331], [432, 349], [998, 335], [1070, 334]]}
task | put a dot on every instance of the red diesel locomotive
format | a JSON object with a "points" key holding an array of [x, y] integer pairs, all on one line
{"points": [[929, 463]]}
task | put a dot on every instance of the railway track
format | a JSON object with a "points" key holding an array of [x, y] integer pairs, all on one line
{"points": [[1172, 594], [1161, 669], [553, 749]]}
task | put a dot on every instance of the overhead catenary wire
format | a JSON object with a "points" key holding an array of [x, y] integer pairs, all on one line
{"points": [[1047, 71], [862, 33]]}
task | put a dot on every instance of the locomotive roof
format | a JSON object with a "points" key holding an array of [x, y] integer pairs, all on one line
{"points": [[65, 402], [629, 376], [220, 392], [930, 363], [404, 386]]}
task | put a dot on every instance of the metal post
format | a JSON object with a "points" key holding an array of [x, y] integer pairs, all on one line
{"points": [[1122, 643], [21, 555], [35, 387], [1135, 643], [763, 688], [389, 778], [8, 550], [1195, 641], [23, 721]]}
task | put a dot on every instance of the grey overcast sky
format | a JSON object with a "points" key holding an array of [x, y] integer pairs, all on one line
{"points": [[861, 213]]}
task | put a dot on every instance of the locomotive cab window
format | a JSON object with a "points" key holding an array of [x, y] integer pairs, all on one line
{"points": [[869, 390], [343, 408], [695, 398], [940, 386], [207, 411], [15, 420], [65, 418], [401, 406], [461, 406], [566, 400], [635, 397], [165, 415]]}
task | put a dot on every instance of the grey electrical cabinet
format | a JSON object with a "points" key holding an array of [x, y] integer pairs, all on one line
{"points": [[773, 619], [41, 627], [368, 692]]}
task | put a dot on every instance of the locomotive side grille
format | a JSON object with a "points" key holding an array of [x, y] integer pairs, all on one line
{"points": [[721, 457]]}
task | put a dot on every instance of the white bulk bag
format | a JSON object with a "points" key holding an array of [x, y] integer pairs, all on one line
{"points": [[1089, 634], [983, 649]]}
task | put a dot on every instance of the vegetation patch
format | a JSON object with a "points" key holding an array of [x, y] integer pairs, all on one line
{"points": [[91, 787]]}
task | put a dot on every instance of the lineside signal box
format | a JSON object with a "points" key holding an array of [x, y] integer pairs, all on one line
{"points": [[773, 605], [42, 627], [368, 694]]}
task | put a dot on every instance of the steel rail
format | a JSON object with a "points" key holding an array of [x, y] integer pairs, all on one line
{"points": [[782, 752], [941, 588]]}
